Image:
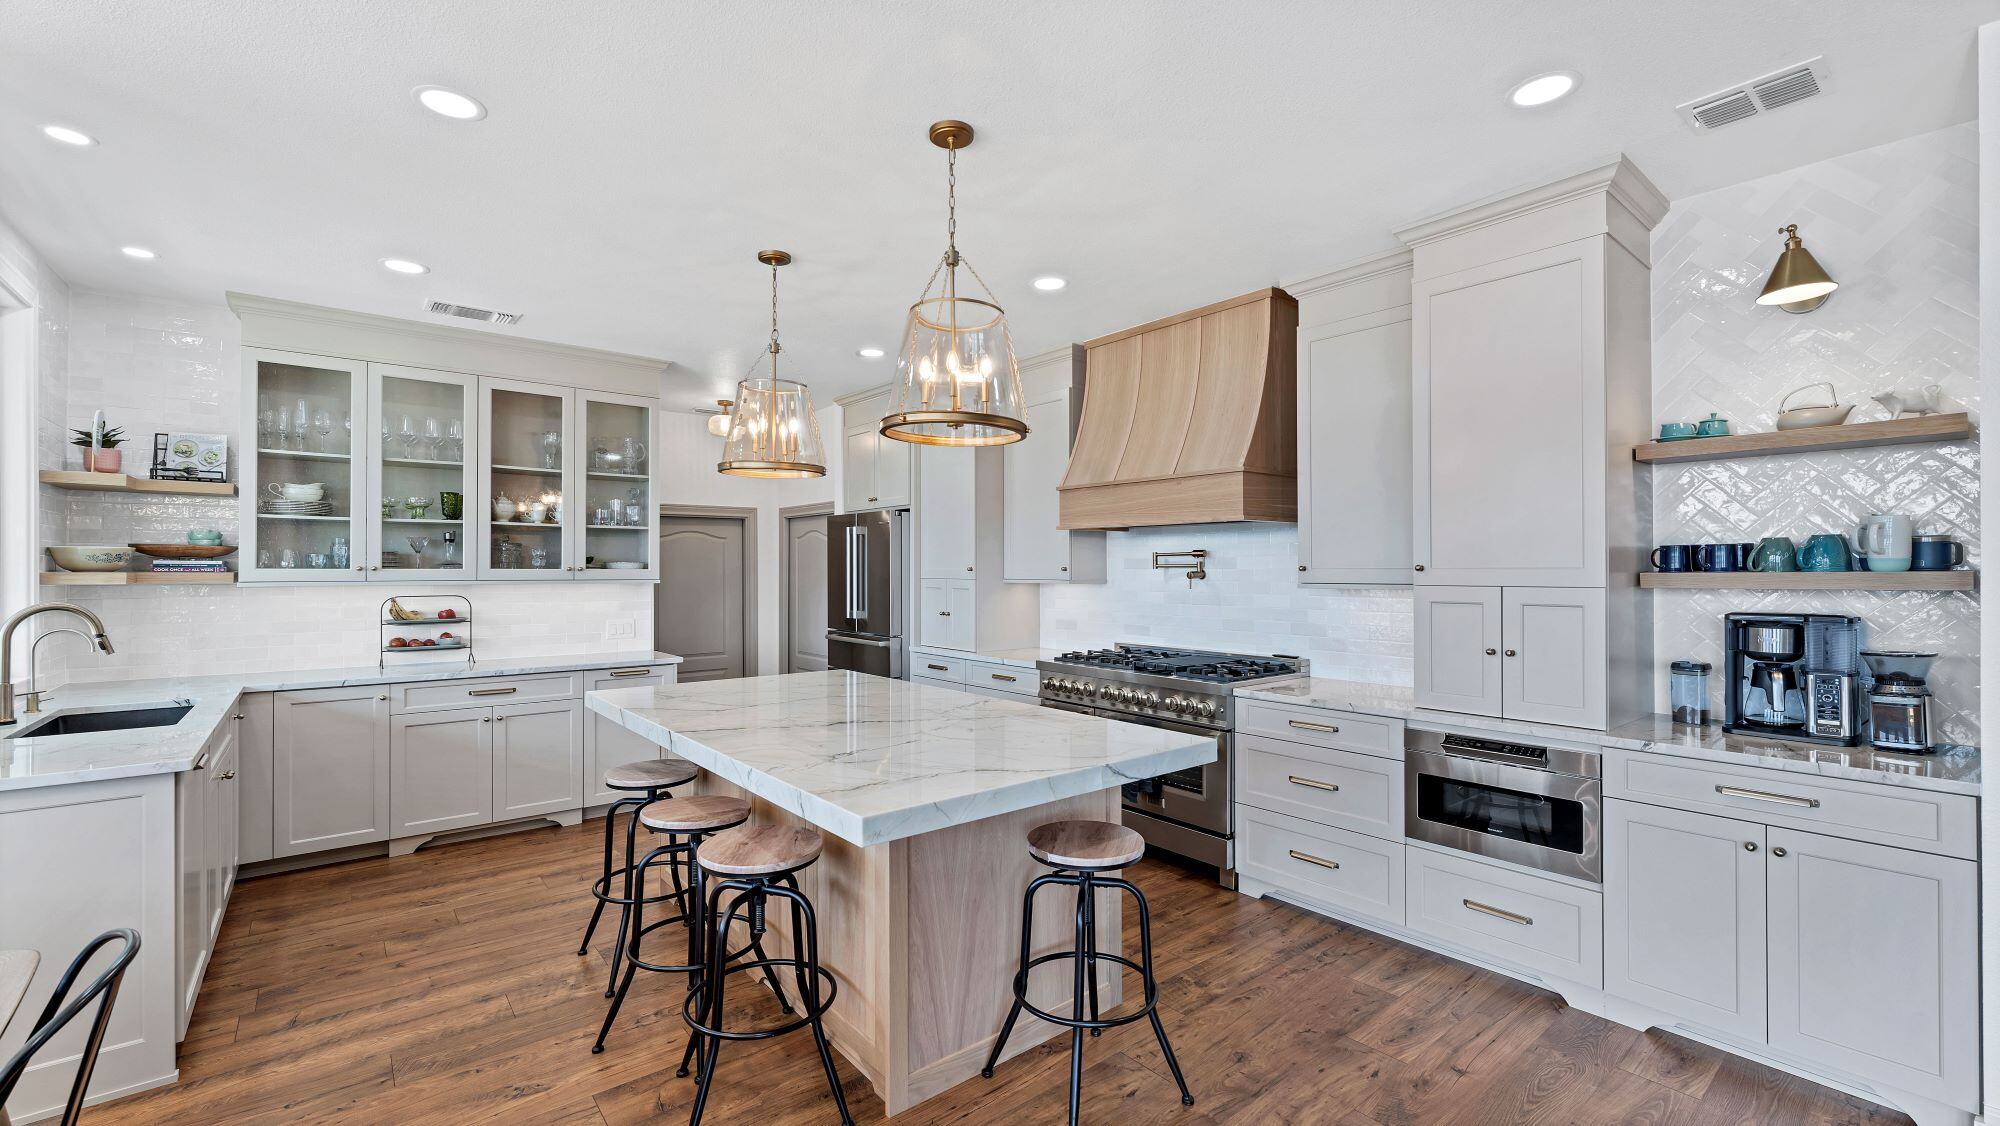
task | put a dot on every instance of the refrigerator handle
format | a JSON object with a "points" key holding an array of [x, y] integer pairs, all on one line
{"points": [[847, 573], [858, 574]]}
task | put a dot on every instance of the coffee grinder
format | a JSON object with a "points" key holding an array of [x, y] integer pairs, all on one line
{"points": [[1899, 702], [1792, 676]]}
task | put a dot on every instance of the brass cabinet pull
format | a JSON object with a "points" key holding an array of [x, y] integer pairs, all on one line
{"points": [[1003, 676], [1762, 795], [1304, 725], [492, 691], [1314, 783], [1311, 859], [939, 668], [631, 672], [1484, 909]]}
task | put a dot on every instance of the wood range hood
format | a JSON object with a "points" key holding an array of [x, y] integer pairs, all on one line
{"points": [[1189, 420]]}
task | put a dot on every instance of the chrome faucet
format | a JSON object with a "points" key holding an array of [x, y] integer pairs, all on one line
{"points": [[97, 636]]}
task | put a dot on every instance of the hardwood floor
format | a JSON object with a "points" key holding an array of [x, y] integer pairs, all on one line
{"points": [[445, 987]]}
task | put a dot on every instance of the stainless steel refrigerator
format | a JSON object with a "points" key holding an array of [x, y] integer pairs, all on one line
{"points": [[865, 592]]}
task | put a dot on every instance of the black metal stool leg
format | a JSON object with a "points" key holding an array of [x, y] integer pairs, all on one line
{"points": [[1152, 987], [628, 954], [1076, 1002], [810, 997], [1020, 977], [697, 943], [1088, 894], [712, 1003], [625, 909], [610, 824]]}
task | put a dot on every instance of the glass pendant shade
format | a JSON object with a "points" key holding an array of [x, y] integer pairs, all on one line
{"points": [[957, 382], [718, 424], [773, 431], [1798, 283]]}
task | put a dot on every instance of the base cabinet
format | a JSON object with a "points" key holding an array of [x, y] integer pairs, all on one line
{"points": [[537, 758], [330, 769], [605, 743], [441, 771]]}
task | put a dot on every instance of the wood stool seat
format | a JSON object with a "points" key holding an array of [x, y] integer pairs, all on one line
{"points": [[1085, 844], [651, 774], [760, 850], [703, 813]]}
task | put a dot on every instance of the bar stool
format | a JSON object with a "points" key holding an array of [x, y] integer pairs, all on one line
{"points": [[1082, 854], [686, 821], [647, 781], [759, 863]]}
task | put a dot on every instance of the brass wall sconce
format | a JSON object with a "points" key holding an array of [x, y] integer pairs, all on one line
{"points": [[1797, 283]]}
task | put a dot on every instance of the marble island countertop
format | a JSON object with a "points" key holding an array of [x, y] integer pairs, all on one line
{"points": [[32, 761], [873, 760], [1023, 658], [1950, 770]]}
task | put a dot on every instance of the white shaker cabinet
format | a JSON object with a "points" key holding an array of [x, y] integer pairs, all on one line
{"points": [[1458, 649], [223, 820], [607, 744], [1553, 649], [1034, 549], [537, 758], [948, 512], [945, 613], [1684, 915], [440, 770], [1354, 424], [330, 769], [875, 471]]}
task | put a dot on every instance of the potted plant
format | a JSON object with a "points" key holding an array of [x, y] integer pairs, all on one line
{"points": [[106, 457]]}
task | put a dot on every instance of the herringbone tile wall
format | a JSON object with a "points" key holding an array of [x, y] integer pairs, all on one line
{"points": [[1897, 226]]}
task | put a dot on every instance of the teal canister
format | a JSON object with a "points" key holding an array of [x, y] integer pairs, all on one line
{"points": [[1825, 552], [1774, 553]]}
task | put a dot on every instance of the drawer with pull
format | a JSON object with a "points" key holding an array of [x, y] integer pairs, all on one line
{"points": [[1507, 915], [1321, 727], [427, 696], [1004, 678], [634, 676], [930, 666], [1331, 867], [1360, 793], [1893, 815]]}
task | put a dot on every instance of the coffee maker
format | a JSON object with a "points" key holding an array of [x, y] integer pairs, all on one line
{"points": [[1899, 702], [1793, 676]]}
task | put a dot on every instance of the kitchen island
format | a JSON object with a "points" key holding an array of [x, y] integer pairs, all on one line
{"points": [[924, 797]]}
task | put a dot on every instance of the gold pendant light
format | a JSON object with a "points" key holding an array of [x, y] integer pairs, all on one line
{"points": [[957, 383], [718, 423], [1797, 283], [773, 431]]}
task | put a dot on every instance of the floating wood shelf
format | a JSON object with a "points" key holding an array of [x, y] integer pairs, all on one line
{"points": [[1893, 432], [137, 578], [1809, 580], [123, 483]]}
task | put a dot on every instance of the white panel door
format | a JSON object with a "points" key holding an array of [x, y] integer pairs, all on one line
{"points": [[527, 455], [607, 744], [895, 466], [1354, 450], [329, 769], [613, 515], [440, 770], [1875, 962], [537, 758], [1509, 421], [1033, 548], [857, 471], [1554, 648], [946, 507], [1458, 649], [298, 544], [192, 794], [413, 459], [1684, 915]]}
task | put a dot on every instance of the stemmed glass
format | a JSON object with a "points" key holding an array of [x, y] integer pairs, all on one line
{"points": [[284, 428], [267, 426], [432, 437], [406, 433], [323, 426], [301, 418], [417, 545], [455, 431]]}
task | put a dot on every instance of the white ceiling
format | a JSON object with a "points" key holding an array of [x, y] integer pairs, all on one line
{"points": [[637, 154]]}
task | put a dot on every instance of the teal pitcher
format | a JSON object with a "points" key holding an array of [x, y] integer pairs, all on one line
{"points": [[1825, 552]]}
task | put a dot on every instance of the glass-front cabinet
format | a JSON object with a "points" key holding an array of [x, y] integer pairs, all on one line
{"points": [[405, 474], [302, 506]]}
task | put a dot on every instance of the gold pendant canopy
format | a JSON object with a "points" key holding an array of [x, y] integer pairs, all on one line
{"points": [[773, 429], [1797, 283], [957, 381]]}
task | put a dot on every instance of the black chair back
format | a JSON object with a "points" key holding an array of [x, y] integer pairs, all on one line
{"points": [[60, 1011]]}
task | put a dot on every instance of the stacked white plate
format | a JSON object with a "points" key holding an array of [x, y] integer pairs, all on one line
{"points": [[297, 508]]}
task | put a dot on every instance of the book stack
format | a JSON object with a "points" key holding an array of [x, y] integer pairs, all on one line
{"points": [[190, 566]]}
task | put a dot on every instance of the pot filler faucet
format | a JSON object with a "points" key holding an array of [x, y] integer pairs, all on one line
{"points": [[97, 637]]}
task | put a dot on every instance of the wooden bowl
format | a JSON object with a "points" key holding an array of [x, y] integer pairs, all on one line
{"points": [[184, 550]]}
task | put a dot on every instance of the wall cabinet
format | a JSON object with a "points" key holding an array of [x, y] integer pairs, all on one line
{"points": [[1354, 424], [1458, 649], [330, 769], [1524, 653], [605, 743], [875, 471], [1034, 548]]}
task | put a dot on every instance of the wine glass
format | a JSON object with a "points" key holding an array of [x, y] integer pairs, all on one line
{"points": [[284, 427], [406, 433], [455, 430], [267, 426], [433, 435], [347, 427], [551, 449], [417, 545], [323, 426], [301, 418]]}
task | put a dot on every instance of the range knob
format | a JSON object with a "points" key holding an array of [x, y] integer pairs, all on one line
{"points": [[1177, 704], [1117, 695], [1205, 709], [1152, 699]]}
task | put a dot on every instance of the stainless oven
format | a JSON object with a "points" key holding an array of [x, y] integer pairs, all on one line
{"points": [[1536, 806], [1186, 812]]}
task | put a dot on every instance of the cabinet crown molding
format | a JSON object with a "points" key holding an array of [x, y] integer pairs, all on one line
{"points": [[1615, 176], [1353, 273]]}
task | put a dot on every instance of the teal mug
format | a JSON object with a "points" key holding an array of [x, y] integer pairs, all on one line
{"points": [[1825, 552], [1675, 431], [1774, 553], [1713, 426]]}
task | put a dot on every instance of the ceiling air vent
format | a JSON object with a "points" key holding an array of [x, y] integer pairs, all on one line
{"points": [[1759, 95], [446, 308]]}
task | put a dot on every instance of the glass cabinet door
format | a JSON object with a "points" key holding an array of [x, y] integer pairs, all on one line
{"points": [[421, 426], [619, 516], [304, 485], [528, 464]]}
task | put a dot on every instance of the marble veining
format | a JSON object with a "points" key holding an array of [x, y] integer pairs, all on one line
{"points": [[872, 760], [1951, 770], [59, 759]]}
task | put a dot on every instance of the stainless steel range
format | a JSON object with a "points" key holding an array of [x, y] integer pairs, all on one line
{"points": [[1188, 812]]}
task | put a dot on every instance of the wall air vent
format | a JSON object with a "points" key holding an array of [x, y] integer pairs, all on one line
{"points": [[1759, 95], [446, 308]]}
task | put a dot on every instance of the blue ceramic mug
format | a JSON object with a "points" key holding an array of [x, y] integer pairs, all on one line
{"points": [[1675, 431], [1717, 557], [1825, 552], [1674, 557], [1714, 426], [1774, 554], [1935, 553]]}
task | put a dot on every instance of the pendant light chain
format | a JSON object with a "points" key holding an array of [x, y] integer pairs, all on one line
{"points": [[774, 320], [951, 206]]}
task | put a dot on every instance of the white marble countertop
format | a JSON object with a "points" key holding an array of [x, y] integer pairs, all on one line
{"points": [[1024, 658], [1952, 770], [871, 759], [59, 759]]}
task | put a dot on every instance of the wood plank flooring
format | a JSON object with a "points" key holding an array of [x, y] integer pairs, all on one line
{"points": [[445, 987]]}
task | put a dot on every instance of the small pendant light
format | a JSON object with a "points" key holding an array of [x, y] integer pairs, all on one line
{"points": [[957, 383], [773, 431], [1797, 283], [718, 423]]}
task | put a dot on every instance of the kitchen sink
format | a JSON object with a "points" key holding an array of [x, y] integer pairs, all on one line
{"points": [[84, 721]]}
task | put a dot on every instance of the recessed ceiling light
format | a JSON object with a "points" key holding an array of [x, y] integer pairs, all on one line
{"points": [[869, 353], [450, 103], [1543, 89], [1050, 283], [137, 252], [405, 266], [68, 136]]}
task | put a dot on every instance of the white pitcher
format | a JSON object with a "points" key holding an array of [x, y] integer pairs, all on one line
{"points": [[1883, 541]]}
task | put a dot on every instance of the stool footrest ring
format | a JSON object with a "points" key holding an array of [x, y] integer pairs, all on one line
{"points": [[1144, 1011], [830, 987]]}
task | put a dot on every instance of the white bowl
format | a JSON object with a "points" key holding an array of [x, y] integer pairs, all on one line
{"points": [[105, 557]]}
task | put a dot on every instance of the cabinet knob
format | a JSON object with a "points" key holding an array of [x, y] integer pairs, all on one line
{"points": [[968, 568], [486, 719], [1492, 652], [499, 719], [1302, 566], [238, 715], [381, 697], [1420, 566], [1779, 851], [1749, 846], [944, 613], [226, 775], [1511, 653], [361, 566], [1065, 570], [872, 500]]}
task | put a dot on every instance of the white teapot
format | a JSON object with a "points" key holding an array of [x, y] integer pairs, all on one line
{"points": [[504, 508]]}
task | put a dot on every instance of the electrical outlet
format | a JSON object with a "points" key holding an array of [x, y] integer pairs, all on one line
{"points": [[620, 629]]}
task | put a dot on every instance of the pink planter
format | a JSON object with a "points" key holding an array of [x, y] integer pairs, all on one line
{"points": [[103, 461]]}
